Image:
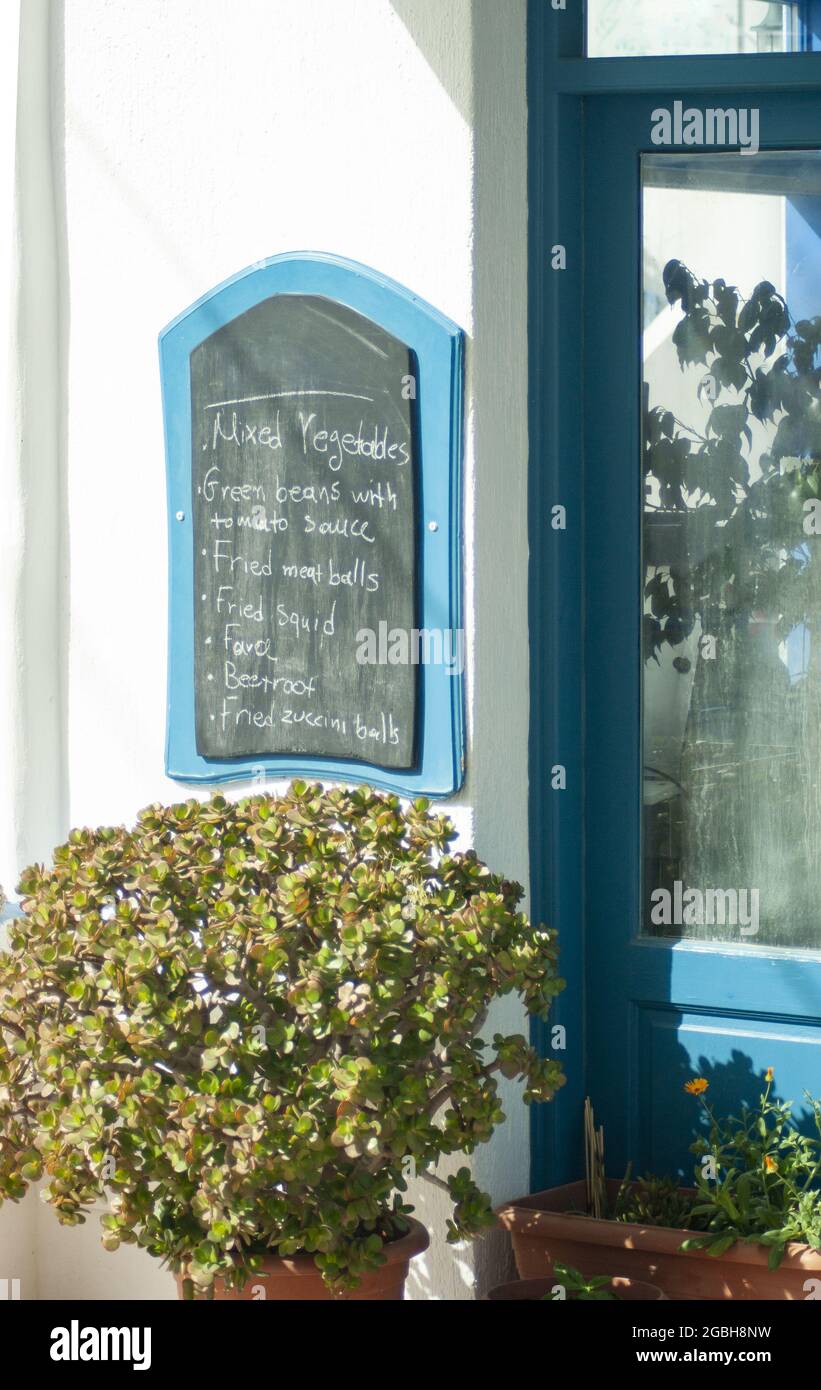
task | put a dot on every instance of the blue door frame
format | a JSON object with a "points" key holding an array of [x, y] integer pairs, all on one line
{"points": [[584, 840]]}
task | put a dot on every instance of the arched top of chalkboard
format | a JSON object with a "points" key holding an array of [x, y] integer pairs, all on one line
{"points": [[317, 272]]}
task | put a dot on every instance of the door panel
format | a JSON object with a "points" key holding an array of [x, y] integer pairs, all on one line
{"points": [[731, 1052], [732, 603], [644, 28], [730, 790]]}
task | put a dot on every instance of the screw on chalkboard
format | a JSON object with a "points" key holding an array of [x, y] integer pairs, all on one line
{"points": [[180, 516], [433, 525]]}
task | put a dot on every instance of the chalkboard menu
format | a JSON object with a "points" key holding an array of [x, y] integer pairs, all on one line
{"points": [[305, 535]]}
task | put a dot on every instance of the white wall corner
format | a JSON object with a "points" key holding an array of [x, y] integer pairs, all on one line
{"points": [[33, 588], [499, 395]]}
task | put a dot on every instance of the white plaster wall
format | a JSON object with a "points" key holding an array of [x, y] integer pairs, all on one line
{"points": [[191, 138], [23, 584]]}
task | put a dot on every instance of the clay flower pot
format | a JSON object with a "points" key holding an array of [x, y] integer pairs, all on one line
{"points": [[534, 1290], [546, 1228], [296, 1278]]}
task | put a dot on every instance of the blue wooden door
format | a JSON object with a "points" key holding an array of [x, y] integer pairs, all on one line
{"points": [[702, 669]]}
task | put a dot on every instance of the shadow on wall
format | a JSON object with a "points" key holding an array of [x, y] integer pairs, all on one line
{"points": [[488, 88], [433, 27]]}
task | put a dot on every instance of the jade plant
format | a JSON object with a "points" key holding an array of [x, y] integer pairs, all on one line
{"points": [[243, 1025]]}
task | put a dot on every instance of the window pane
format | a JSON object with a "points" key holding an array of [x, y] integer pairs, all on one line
{"points": [[731, 559], [631, 28]]}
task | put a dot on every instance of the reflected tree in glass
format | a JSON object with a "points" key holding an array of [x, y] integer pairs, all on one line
{"points": [[733, 605]]}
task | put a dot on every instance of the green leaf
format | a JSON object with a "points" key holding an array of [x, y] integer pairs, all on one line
{"points": [[696, 1243], [723, 1244]]}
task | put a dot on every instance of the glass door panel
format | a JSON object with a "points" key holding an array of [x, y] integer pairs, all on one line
{"points": [[616, 28], [731, 561]]}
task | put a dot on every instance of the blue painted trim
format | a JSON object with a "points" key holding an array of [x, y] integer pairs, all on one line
{"points": [[564, 713], [761, 72], [438, 346], [556, 818]]}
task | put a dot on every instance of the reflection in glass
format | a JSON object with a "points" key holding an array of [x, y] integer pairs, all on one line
{"points": [[731, 537], [632, 28]]}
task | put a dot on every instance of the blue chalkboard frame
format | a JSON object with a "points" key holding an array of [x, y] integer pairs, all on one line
{"points": [[438, 346]]}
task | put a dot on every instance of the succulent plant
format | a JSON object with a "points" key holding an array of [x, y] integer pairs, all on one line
{"points": [[241, 1023]]}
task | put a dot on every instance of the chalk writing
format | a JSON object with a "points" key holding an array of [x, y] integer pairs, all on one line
{"points": [[305, 531]]}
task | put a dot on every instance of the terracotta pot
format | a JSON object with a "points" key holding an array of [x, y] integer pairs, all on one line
{"points": [[545, 1228], [533, 1290], [297, 1277]]}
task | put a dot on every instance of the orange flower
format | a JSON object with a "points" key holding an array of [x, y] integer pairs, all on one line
{"points": [[769, 1074], [770, 1164], [697, 1086]]}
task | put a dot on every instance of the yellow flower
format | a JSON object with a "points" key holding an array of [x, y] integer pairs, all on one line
{"points": [[697, 1086], [770, 1164], [769, 1074]]}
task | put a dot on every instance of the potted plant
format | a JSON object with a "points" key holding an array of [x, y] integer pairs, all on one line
{"points": [[237, 1024], [569, 1285], [750, 1228]]}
